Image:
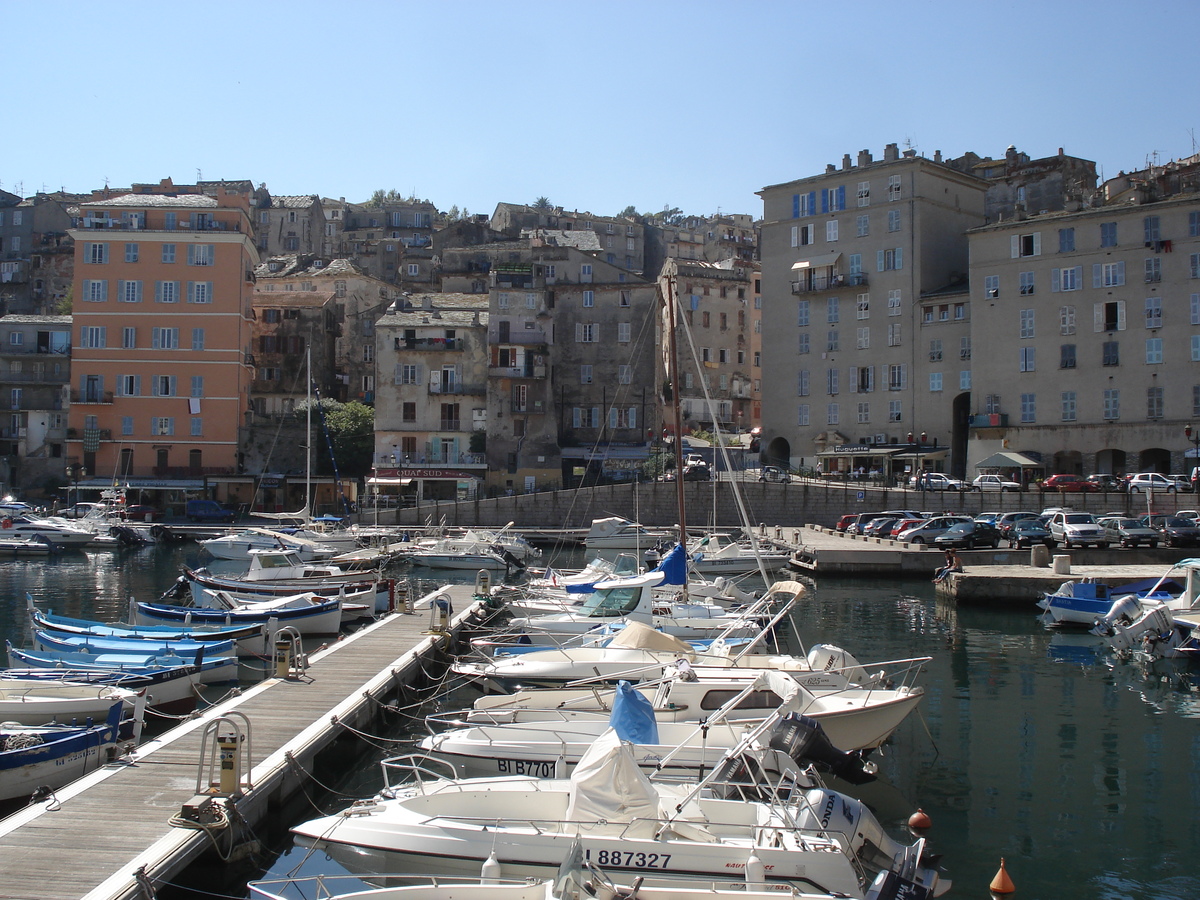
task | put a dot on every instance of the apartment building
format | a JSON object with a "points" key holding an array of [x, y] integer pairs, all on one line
{"points": [[288, 224], [621, 240], [859, 264], [35, 373], [392, 242], [708, 238], [35, 253], [161, 334], [431, 404], [1086, 329]]}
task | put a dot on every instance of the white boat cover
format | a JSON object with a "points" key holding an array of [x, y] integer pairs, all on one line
{"points": [[609, 794], [640, 636]]}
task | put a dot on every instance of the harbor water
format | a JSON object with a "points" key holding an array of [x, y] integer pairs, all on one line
{"points": [[1082, 772]]}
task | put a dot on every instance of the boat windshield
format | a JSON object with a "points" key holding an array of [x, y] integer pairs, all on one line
{"points": [[609, 602]]}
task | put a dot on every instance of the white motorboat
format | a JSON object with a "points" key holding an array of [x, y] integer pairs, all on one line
{"points": [[307, 613], [27, 526], [1154, 628], [242, 545], [715, 554], [459, 553], [617, 533], [277, 573], [60, 702], [793, 831]]}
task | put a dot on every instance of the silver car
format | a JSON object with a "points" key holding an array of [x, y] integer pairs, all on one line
{"points": [[1128, 532], [926, 531]]}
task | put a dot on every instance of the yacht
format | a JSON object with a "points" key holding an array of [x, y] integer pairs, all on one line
{"points": [[27, 526]]}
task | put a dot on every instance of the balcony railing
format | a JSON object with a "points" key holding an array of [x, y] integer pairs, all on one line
{"points": [[450, 425], [529, 407], [428, 458], [74, 435], [23, 350], [119, 225], [521, 338], [989, 420], [517, 371], [91, 396], [429, 344], [458, 388], [817, 282]]}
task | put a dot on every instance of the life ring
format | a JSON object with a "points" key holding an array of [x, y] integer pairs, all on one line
{"points": [[7, 523]]}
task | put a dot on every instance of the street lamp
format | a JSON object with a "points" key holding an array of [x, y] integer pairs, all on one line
{"points": [[75, 474], [917, 458], [1193, 435]]}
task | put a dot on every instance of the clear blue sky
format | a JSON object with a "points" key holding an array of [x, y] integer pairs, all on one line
{"points": [[596, 106]]}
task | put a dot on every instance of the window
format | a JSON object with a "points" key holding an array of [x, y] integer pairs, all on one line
{"points": [[831, 381], [802, 414], [585, 374], [589, 298], [964, 380], [991, 404], [1026, 282], [757, 360], [129, 291], [1066, 357], [586, 417], [162, 385], [413, 270], [587, 333], [1112, 404], [1150, 225], [706, 319], [897, 377], [864, 193], [1026, 359], [1154, 312], [197, 426], [502, 300], [625, 298], [1066, 279], [585, 272], [1194, 224], [131, 253], [935, 381], [1066, 320], [831, 230], [408, 412], [1153, 269], [804, 343], [802, 383], [893, 334], [895, 306], [92, 337], [624, 332], [197, 338], [895, 411], [802, 314], [722, 356], [1066, 240], [862, 379], [863, 225], [1194, 265], [832, 310], [126, 425], [889, 260], [197, 386], [1028, 407], [803, 235], [368, 354], [95, 253], [1154, 403], [408, 373], [129, 338], [856, 270], [706, 354], [1154, 351], [935, 351], [166, 291], [863, 306], [200, 254], [164, 425], [991, 286], [831, 342], [129, 385], [863, 341], [1110, 316], [1196, 348], [831, 414], [1196, 399], [15, 338], [95, 290], [1108, 234], [864, 413], [1026, 244], [164, 338], [893, 187], [1068, 406], [622, 417], [893, 220], [1110, 354], [833, 199], [1194, 309], [624, 374], [1027, 323], [267, 373]]}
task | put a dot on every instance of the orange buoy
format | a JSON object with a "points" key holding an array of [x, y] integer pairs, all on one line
{"points": [[1002, 884], [919, 820]]}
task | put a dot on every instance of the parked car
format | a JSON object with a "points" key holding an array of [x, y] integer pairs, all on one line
{"points": [[140, 512], [879, 527], [1077, 529], [1183, 483], [697, 472], [844, 522], [774, 473], [1068, 483], [1151, 482], [989, 516], [994, 483], [1027, 532], [937, 481], [926, 530], [78, 511], [1107, 483], [1188, 513], [1129, 532], [1006, 521], [1175, 531], [208, 511], [862, 520], [968, 536]]}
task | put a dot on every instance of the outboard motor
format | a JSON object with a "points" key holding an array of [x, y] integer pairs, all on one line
{"points": [[509, 560], [804, 740], [1123, 610], [126, 536], [180, 589], [828, 658]]}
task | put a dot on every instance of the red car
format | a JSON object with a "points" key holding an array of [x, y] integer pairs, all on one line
{"points": [[845, 520], [1068, 484], [141, 513]]}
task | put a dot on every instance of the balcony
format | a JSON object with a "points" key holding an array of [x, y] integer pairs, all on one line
{"points": [[459, 388], [529, 407], [34, 377], [450, 425], [102, 224], [402, 462], [89, 397], [989, 420], [429, 344], [29, 350], [817, 282], [526, 371], [74, 435], [520, 338]]}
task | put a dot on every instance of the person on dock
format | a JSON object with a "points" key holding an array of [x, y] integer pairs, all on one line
{"points": [[952, 565]]}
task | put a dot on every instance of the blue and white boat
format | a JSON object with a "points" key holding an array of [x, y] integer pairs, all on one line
{"points": [[169, 690], [55, 755], [90, 643], [201, 669], [1084, 602], [307, 613], [250, 639]]}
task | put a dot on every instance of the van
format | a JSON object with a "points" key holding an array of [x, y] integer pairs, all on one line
{"points": [[209, 511]]}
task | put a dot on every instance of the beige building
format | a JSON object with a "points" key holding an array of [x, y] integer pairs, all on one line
{"points": [[621, 241], [1086, 329], [859, 268], [288, 224]]}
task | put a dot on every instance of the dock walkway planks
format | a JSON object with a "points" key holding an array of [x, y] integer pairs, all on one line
{"points": [[116, 820]]}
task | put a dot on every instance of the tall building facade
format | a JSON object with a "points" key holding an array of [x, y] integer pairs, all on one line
{"points": [[161, 364], [858, 267]]}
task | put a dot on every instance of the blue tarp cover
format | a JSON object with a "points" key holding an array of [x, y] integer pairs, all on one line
{"points": [[632, 716]]}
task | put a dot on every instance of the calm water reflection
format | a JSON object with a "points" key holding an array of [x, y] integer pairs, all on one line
{"points": [[1083, 774]]}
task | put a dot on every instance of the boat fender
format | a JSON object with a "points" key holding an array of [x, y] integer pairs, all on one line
{"points": [[491, 870], [7, 523]]}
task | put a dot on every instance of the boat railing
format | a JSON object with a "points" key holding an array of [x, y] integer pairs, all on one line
{"points": [[332, 886], [414, 768]]}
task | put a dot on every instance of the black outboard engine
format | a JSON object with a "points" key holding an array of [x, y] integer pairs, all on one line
{"points": [[509, 560], [804, 740], [180, 589], [126, 536]]}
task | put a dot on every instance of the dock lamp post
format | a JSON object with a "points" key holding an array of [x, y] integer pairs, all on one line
{"points": [[1193, 435], [917, 458], [75, 474]]}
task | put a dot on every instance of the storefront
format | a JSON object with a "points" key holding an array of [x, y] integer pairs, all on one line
{"points": [[415, 484]]}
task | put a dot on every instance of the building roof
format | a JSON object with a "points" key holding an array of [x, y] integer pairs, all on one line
{"points": [[291, 298], [12, 319], [584, 240], [167, 200], [451, 310], [300, 202]]}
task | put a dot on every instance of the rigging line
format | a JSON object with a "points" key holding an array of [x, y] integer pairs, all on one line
{"points": [[275, 440]]}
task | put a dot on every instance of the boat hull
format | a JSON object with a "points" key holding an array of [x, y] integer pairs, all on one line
{"points": [[60, 759]]}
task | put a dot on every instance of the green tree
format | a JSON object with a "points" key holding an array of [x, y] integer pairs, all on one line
{"points": [[629, 212], [453, 215], [351, 429], [380, 197], [65, 305], [542, 203]]}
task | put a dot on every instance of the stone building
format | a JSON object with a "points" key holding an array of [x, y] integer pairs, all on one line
{"points": [[1018, 183], [35, 378], [36, 254], [288, 224], [621, 241]]}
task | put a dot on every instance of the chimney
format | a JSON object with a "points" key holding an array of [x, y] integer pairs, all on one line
{"points": [[426, 302], [846, 162], [909, 153], [891, 153], [830, 169], [864, 158], [937, 156]]}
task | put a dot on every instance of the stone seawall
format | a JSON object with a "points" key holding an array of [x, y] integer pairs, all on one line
{"points": [[789, 505]]}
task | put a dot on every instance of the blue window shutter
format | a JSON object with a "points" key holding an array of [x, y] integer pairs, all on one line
{"points": [[1097, 276], [137, 385], [899, 257], [824, 200], [795, 206], [1055, 279], [879, 260], [812, 202], [841, 197]]}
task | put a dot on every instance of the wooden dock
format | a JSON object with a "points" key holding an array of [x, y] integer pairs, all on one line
{"points": [[109, 834]]}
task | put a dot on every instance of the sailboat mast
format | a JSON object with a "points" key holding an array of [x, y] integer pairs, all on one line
{"points": [[308, 430], [673, 373]]}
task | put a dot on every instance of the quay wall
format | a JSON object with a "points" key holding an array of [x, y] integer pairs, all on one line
{"points": [[789, 505]]}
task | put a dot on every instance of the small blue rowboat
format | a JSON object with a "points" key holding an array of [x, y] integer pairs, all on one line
{"points": [[202, 669], [308, 614]]}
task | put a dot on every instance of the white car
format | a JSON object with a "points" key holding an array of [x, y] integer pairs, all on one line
{"points": [[1151, 482], [994, 483], [1077, 528], [937, 481]]}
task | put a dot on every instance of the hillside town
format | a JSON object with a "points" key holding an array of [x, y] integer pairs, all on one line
{"points": [[881, 319]]}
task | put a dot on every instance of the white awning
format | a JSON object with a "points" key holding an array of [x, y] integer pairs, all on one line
{"points": [[825, 259], [385, 480]]}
